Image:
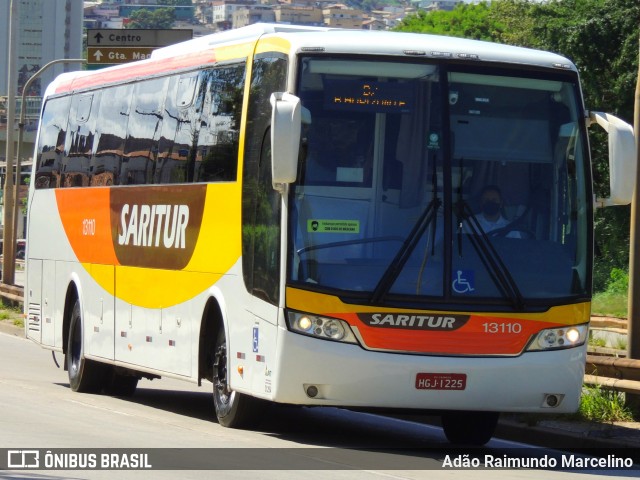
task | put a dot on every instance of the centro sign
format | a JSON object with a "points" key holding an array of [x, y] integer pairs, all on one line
{"points": [[112, 46], [116, 37], [110, 37]]}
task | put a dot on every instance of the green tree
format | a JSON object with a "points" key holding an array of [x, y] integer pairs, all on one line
{"points": [[160, 18], [466, 20]]}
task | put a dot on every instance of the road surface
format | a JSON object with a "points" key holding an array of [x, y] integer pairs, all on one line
{"points": [[39, 411]]}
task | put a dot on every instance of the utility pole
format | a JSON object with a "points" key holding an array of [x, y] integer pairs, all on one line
{"points": [[8, 247], [633, 326]]}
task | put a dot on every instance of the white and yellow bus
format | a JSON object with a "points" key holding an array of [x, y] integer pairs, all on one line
{"points": [[288, 213]]}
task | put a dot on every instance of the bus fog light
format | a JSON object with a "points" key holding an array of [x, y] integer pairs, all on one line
{"points": [[320, 327], [552, 400], [312, 391]]}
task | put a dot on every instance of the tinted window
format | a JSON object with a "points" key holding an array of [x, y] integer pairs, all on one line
{"points": [[220, 126], [260, 202], [79, 141], [110, 135], [143, 132], [53, 129], [177, 145]]}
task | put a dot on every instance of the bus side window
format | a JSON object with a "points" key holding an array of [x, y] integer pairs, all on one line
{"points": [[79, 141], [53, 129], [143, 132], [220, 125], [177, 143], [110, 135]]}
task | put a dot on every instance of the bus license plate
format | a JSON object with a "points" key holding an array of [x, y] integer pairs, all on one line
{"points": [[441, 381]]}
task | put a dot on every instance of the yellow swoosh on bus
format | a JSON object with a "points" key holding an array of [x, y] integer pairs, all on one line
{"points": [[166, 243]]}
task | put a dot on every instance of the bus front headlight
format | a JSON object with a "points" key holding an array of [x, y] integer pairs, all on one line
{"points": [[556, 338], [320, 327]]}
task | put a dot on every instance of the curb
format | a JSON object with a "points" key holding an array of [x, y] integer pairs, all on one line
{"points": [[11, 329], [570, 435]]}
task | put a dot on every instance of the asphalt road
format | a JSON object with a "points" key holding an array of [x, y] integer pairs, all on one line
{"points": [[40, 412]]}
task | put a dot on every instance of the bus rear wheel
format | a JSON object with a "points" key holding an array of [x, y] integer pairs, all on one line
{"points": [[84, 375], [233, 409], [469, 428]]}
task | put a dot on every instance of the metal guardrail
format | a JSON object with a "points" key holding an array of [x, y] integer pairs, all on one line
{"points": [[620, 374], [13, 293]]}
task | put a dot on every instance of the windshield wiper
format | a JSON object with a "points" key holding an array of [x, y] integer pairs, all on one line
{"points": [[402, 257], [490, 258]]}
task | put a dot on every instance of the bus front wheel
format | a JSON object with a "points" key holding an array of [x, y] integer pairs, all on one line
{"points": [[469, 428], [84, 375], [233, 409]]}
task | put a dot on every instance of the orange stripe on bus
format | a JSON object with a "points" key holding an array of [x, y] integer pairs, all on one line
{"points": [[85, 215]]}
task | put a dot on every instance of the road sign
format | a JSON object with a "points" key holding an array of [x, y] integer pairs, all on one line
{"points": [[112, 46], [114, 55], [111, 37]]}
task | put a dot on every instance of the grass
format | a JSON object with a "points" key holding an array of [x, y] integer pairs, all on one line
{"points": [[611, 304], [12, 313], [597, 342], [602, 405], [613, 301]]}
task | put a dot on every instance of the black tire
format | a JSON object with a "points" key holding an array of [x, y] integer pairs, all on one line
{"points": [[469, 428], [120, 384], [233, 409], [84, 375]]}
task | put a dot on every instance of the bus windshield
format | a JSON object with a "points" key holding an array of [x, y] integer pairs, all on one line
{"points": [[424, 182]]}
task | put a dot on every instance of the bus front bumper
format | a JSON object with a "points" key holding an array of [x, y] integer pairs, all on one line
{"points": [[320, 372]]}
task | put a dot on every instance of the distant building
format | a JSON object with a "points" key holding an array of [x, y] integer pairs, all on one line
{"points": [[298, 15], [374, 24], [433, 5], [254, 14], [47, 30], [223, 10], [340, 16]]}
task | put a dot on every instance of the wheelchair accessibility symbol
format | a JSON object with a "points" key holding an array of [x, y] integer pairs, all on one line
{"points": [[464, 281]]}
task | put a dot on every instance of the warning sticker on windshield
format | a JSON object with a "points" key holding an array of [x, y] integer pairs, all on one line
{"points": [[333, 226]]}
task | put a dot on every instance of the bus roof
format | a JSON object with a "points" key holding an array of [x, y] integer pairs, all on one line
{"points": [[368, 42], [200, 51]]}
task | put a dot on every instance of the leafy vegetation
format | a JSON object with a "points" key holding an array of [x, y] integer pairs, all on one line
{"points": [[613, 300], [13, 314], [156, 19], [603, 405]]}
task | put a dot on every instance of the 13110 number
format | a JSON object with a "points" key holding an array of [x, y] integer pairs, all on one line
{"points": [[502, 327]]}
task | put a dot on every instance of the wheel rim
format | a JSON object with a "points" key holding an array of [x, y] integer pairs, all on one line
{"points": [[220, 378], [76, 350]]}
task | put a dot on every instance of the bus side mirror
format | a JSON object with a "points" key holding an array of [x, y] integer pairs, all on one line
{"points": [[286, 124], [622, 158]]}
